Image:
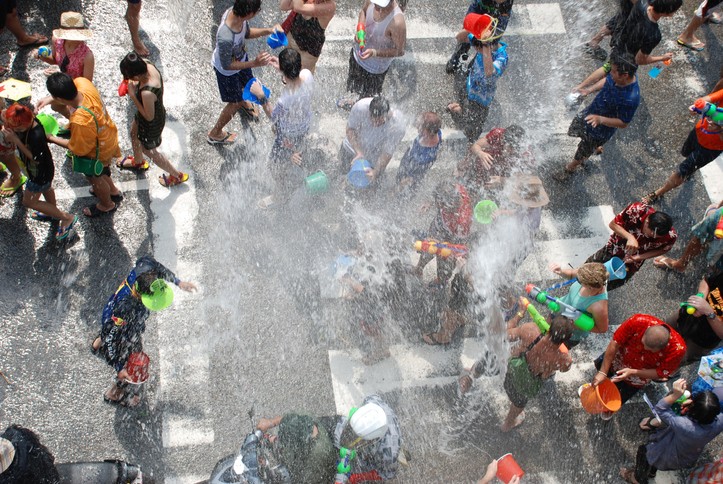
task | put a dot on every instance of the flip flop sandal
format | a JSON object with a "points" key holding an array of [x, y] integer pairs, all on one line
{"points": [[64, 232], [169, 181], [249, 114], [96, 212], [693, 47], [651, 198], [10, 191], [228, 139], [40, 216], [122, 165]]}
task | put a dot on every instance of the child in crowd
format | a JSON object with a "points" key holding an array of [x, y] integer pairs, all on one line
{"points": [[22, 129], [145, 89], [420, 157]]}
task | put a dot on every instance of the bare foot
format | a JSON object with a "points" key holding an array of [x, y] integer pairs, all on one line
{"points": [[628, 475], [141, 49], [454, 108], [506, 427]]}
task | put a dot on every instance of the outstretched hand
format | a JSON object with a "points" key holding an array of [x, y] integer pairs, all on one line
{"points": [[187, 286]]}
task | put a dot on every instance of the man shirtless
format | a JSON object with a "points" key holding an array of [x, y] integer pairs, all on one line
{"points": [[544, 357]]}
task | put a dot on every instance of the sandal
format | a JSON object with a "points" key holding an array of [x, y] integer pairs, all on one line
{"points": [[129, 163], [228, 139], [64, 232], [651, 198], [646, 425], [169, 181], [93, 211], [40, 216], [7, 192], [117, 198], [249, 113], [431, 339]]}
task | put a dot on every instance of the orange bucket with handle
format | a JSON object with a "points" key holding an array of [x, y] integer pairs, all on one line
{"points": [[603, 398], [477, 24], [508, 468]]}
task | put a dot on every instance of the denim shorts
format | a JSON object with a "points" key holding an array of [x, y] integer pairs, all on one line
{"points": [[31, 186]]}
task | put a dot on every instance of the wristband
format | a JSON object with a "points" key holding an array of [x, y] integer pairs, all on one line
{"points": [[603, 374], [374, 52], [263, 100]]}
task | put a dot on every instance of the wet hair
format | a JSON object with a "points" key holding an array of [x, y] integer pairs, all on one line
{"points": [[666, 6], [592, 274], [133, 65], [379, 106], [61, 86], [514, 135], [705, 407], [446, 194], [18, 116], [656, 337], [660, 222], [561, 329], [243, 8], [430, 122], [290, 63], [625, 63], [144, 281]]}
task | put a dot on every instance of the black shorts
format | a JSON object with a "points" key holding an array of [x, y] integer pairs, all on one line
{"points": [[231, 87], [696, 157], [105, 172], [587, 144], [361, 81]]}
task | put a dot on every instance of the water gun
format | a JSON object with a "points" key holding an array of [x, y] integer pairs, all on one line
{"points": [[343, 465], [123, 88], [677, 406], [708, 110], [581, 319], [537, 318], [719, 226], [441, 249], [688, 308], [361, 34]]}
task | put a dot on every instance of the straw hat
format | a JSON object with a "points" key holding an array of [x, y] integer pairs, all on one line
{"points": [[72, 27], [7, 454], [527, 190]]}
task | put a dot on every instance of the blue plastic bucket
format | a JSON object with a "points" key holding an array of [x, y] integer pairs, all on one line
{"points": [[616, 268], [357, 175], [277, 39], [248, 96]]}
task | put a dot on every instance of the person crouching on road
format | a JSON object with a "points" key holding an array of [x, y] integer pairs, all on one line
{"points": [[124, 320]]}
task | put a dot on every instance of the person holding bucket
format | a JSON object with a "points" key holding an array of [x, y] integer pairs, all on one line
{"points": [[124, 320], [291, 118], [499, 10], [639, 233], [681, 442], [509, 474], [93, 142], [587, 293], [25, 131], [643, 349]]}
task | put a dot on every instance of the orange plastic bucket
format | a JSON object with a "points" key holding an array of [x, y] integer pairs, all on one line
{"points": [[603, 398], [507, 468], [137, 367], [477, 24]]}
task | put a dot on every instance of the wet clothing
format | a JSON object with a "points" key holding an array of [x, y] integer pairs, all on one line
{"points": [[574, 299], [310, 460], [700, 148], [84, 135], [149, 132], [230, 46], [681, 442], [704, 231], [72, 64], [40, 167], [612, 102], [500, 11], [698, 328], [519, 387], [231, 87], [417, 160], [616, 22], [376, 38], [380, 455], [363, 82], [124, 316], [308, 34], [33, 463], [638, 32]]}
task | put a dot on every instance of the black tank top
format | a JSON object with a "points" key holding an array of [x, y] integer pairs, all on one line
{"points": [[308, 34]]}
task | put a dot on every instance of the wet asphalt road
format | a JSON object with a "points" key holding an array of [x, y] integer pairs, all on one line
{"points": [[256, 334]]}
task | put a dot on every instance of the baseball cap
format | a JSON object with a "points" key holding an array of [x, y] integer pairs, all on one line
{"points": [[381, 3]]}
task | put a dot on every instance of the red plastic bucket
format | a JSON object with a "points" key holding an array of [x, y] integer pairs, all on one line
{"points": [[137, 367], [477, 24], [507, 468]]}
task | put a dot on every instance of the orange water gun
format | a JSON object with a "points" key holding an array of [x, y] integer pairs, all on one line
{"points": [[440, 249]]}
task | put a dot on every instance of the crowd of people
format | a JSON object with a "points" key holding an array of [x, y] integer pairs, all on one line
{"points": [[498, 166]]}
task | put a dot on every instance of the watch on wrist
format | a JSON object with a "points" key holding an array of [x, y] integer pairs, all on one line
{"points": [[711, 315]]}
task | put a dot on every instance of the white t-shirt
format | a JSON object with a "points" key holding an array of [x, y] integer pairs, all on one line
{"points": [[375, 140], [292, 113]]}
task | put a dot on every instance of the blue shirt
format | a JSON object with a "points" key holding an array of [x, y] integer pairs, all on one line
{"points": [[613, 102], [480, 88], [418, 159]]}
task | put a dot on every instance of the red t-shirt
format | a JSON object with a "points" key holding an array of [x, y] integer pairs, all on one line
{"points": [[633, 355], [459, 222], [711, 141], [632, 220]]}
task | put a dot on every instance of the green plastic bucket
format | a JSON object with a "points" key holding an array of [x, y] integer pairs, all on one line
{"points": [[317, 183], [483, 211], [50, 124]]}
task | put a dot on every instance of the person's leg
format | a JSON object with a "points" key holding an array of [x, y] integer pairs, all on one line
{"points": [[688, 37], [133, 18], [513, 418], [32, 201], [599, 36], [642, 466], [8, 159], [12, 22], [585, 149], [136, 144], [103, 188], [227, 114], [596, 75], [451, 322], [162, 162]]}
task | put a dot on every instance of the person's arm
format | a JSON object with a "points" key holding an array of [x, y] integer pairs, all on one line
{"points": [[256, 32], [513, 332], [596, 81], [596, 120], [353, 136], [487, 60], [266, 424], [599, 312], [606, 364], [632, 244], [363, 15], [643, 59], [703, 308], [326, 9], [13, 138], [479, 150], [380, 165], [257, 90], [89, 66], [42, 103], [566, 272], [285, 5], [166, 274], [627, 373], [649, 255], [146, 104]]}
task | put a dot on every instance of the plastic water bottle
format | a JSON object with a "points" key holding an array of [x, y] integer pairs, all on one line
{"points": [[658, 68]]}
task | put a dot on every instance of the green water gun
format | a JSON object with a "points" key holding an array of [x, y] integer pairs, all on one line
{"points": [[537, 318], [581, 319], [688, 308]]}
